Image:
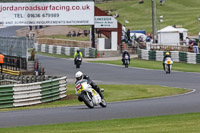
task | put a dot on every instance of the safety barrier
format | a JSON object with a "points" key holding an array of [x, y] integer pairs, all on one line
{"points": [[69, 51], [17, 95], [177, 56], [12, 72]]}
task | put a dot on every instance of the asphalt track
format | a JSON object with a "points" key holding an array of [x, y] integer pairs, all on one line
{"points": [[111, 74], [108, 74]]}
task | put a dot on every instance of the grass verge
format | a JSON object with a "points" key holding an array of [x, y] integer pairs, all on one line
{"points": [[112, 93], [54, 55], [178, 66], [182, 123]]}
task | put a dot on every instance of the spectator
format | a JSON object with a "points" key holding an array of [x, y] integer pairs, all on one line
{"points": [[187, 41], [128, 35], [30, 28], [190, 47], [74, 33], [79, 33], [123, 32], [85, 32], [195, 48], [1, 61], [69, 34]]}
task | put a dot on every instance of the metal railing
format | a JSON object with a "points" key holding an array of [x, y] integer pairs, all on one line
{"points": [[169, 48]]}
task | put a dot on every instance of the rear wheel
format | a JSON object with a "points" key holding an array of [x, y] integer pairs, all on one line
{"points": [[126, 63]]}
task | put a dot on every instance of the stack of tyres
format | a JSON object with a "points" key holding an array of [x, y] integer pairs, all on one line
{"points": [[191, 58], [175, 56], [159, 55], [198, 58], [139, 53], [183, 57], [152, 55]]}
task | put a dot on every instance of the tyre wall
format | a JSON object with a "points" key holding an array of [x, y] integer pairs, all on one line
{"points": [[69, 51], [177, 56], [18, 95]]}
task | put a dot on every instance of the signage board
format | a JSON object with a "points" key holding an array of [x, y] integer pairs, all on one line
{"points": [[105, 22], [47, 13]]}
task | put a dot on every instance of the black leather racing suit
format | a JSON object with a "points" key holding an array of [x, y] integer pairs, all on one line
{"points": [[94, 86]]}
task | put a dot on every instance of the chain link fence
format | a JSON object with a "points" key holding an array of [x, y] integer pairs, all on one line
{"points": [[15, 51]]}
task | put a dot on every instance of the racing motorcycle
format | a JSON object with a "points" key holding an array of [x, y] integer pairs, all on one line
{"points": [[78, 61], [88, 95], [126, 61], [168, 65]]}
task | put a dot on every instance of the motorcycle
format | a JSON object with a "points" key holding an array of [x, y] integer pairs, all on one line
{"points": [[126, 61], [168, 65], [89, 95], [78, 61]]}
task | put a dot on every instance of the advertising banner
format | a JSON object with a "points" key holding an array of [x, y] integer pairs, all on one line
{"points": [[47, 13]]}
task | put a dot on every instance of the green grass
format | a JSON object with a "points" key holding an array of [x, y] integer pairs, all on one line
{"points": [[156, 65], [55, 55], [175, 12], [112, 93], [80, 38], [182, 123]]}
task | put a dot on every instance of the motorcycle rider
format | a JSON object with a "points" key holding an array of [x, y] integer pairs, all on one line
{"points": [[123, 56], [79, 76], [77, 53], [167, 54]]}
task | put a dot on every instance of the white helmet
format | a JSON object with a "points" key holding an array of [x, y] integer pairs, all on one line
{"points": [[79, 75]]}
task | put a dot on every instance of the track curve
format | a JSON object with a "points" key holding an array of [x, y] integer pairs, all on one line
{"points": [[110, 74]]}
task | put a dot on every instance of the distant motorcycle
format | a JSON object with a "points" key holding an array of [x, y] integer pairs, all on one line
{"points": [[78, 61], [168, 65], [88, 95], [126, 61]]}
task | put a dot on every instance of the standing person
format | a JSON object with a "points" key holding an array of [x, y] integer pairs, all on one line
{"points": [[187, 41], [195, 48], [77, 53], [123, 32], [128, 33], [1, 61]]}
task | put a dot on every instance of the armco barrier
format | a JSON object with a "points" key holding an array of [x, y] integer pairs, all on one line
{"points": [[33, 93], [177, 56], [69, 51]]}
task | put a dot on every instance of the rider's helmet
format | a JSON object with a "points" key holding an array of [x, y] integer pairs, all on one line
{"points": [[167, 53], [79, 75], [78, 51]]}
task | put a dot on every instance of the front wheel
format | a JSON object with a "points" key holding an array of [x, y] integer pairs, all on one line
{"points": [[103, 103], [78, 64], [169, 69], [87, 101]]}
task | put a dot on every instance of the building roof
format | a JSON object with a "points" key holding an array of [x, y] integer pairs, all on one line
{"points": [[181, 30], [169, 29]]}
